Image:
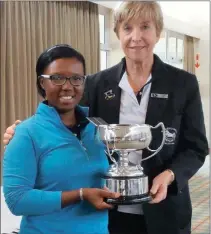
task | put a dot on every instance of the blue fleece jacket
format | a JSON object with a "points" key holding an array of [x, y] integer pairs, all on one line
{"points": [[45, 158]]}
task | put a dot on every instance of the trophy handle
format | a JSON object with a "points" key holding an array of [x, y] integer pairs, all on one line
{"points": [[110, 156], [108, 150], [162, 143]]}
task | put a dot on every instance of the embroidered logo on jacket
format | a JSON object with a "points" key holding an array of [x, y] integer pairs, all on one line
{"points": [[171, 134], [109, 95]]}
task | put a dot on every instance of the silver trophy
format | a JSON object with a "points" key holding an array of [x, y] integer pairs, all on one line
{"points": [[123, 177]]}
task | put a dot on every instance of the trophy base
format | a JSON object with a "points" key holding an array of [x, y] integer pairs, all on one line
{"points": [[129, 200]]}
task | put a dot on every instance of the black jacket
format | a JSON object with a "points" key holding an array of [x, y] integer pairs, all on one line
{"points": [[184, 151]]}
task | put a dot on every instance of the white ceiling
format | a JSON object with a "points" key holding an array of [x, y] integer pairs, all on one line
{"points": [[194, 12]]}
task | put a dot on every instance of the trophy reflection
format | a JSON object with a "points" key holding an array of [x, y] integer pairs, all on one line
{"points": [[129, 180]]}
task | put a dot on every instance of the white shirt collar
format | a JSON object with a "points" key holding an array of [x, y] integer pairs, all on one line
{"points": [[125, 85]]}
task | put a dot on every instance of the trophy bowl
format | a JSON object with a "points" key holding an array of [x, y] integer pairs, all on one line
{"points": [[125, 137], [123, 177]]}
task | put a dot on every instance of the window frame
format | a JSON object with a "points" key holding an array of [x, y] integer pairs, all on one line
{"points": [[176, 35], [177, 60]]}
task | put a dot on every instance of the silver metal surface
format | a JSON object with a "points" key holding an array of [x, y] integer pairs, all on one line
{"points": [[128, 171], [128, 187], [124, 136], [129, 137], [128, 180], [97, 121]]}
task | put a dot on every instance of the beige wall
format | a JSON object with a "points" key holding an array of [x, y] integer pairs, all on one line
{"points": [[201, 46]]}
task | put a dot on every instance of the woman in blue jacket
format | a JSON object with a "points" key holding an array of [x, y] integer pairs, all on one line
{"points": [[53, 166]]}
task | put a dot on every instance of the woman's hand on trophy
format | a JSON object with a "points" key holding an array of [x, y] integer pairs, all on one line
{"points": [[8, 135], [97, 197], [159, 186]]}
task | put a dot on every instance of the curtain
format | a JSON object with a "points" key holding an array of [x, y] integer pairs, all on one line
{"points": [[189, 54]]}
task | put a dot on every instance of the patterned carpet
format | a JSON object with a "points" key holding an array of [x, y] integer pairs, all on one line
{"points": [[199, 187]]}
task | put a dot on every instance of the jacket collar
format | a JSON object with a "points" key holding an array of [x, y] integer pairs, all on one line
{"points": [[160, 84], [158, 69], [51, 114]]}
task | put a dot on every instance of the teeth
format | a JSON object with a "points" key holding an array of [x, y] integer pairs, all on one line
{"points": [[67, 97]]}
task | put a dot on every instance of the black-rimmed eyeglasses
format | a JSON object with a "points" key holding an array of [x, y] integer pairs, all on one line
{"points": [[75, 80]]}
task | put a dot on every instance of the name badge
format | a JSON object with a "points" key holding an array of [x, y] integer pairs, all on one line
{"points": [[159, 95]]}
